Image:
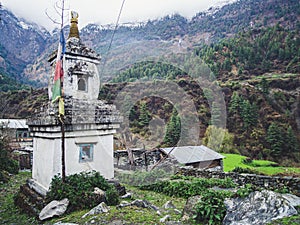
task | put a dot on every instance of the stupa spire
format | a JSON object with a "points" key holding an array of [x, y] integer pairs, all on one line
{"points": [[74, 32]]}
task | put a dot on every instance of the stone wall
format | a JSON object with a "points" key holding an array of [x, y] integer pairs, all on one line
{"points": [[268, 182], [77, 111]]}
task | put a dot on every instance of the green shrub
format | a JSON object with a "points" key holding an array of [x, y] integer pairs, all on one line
{"points": [[211, 208], [112, 196], [78, 188], [244, 191], [245, 170], [7, 164], [142, 178], [185, 186]]}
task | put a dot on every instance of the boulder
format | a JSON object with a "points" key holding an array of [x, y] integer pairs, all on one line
{"points": [[139, 203], [293, 199], [54, 208], [188, 210], [165, 218], [169, 205], [98, 191], [127, 195], [258, 208], [101, 208]]}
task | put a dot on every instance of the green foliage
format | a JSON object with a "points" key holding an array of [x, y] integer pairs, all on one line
{"points": [[260, 166], [249, 114], [78, 188], [245, 170], [211, 208], [112, 196], [145, 116], [181, 188], [148, 71], [7, 164], [275, 137], [142, 178], [173, 130], [10, 213], [256, 51], [244, 191], [264, 86], [219, 139], [245, 109]]}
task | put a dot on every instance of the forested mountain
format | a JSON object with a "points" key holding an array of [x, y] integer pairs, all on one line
{"points": [[24, 47], [250, 48]]}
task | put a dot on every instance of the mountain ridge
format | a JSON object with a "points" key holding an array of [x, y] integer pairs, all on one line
{"points": [[167, 32]]}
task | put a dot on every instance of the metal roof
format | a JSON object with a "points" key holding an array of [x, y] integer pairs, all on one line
{"points": [[192, 154], [14, 123]]}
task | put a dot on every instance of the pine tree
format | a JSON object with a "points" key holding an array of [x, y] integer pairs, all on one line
{"points": [[234, 104], [173, 129], [275, 138], [291, 142], [264, 85], [145, 116]]}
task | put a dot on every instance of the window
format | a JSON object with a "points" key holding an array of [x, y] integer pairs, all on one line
{"points": [[82, 85], [86, 152]]}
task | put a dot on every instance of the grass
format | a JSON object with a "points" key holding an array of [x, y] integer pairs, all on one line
{"points": [[9, 213], [262, 166], [132, 214]]}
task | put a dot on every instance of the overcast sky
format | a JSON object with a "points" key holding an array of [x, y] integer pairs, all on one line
{"points": [[106, 11]]}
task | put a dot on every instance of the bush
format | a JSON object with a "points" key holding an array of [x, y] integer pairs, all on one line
{"points": [[7, 164], [211, 208], [245, 170], [142, 178], [78, 188], [187, 186]]}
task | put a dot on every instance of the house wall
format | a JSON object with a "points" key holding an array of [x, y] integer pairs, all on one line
{"points": [[47, 155]]}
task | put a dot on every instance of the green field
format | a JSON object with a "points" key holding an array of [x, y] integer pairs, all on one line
{"points": [[261, 166]]}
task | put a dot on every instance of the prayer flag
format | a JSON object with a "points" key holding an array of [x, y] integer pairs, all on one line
{"points": [[59, 74]]}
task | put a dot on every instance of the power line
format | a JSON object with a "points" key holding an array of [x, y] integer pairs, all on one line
{"points": [[113, 35], [117, 23]]}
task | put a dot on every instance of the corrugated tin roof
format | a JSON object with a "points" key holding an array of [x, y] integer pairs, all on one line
{"points": [[14, 123], [192, 154]]}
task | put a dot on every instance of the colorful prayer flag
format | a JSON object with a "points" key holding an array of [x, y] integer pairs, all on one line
{"points": [[59, 74]]}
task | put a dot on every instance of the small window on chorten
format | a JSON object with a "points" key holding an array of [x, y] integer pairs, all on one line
{"points": [[86, 152], [82, 85]]}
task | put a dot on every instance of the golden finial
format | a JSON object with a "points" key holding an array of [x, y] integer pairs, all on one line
{"points": [[74, 32]]}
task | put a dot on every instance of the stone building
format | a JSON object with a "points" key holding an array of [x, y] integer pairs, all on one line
{"points": [[89, 123]]}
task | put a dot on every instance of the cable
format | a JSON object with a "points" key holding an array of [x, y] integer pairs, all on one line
{"points": [[113, 35], [117, 23]]}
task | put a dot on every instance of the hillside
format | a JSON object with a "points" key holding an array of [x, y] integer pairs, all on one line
{"points": [[136, 42], [256, 67]]}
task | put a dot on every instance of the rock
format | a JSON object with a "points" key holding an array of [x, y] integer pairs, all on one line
{"points": [[169, 205], [54, 208], [139, 203], [61, 223], [188, 210], [127, 195], [98, 191], [121, 189], [101, 208], [164, 219], [178, 212], [293, 199], [258, 208]]}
